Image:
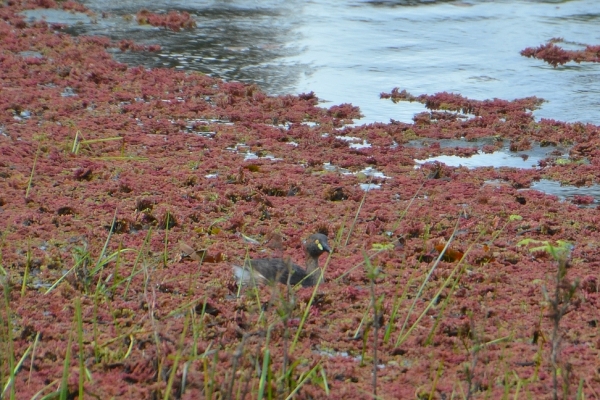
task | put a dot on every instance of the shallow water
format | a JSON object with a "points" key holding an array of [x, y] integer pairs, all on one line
{"points": [[350, 51], [501, 158], [568, 192]]}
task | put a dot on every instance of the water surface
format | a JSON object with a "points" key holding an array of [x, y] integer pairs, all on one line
{"points": [[350, 51]]}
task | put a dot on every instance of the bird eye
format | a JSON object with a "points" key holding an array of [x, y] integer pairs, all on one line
{"points": [[319, 245]]}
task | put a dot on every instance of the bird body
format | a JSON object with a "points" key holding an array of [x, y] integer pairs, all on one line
{"points": [[266, 270]]}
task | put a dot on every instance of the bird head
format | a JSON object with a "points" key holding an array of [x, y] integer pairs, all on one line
{"points": [[316, 245]]}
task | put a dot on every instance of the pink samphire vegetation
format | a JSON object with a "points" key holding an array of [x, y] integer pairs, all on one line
{"points": [[556, 55], [176, 156], [173, 20]]}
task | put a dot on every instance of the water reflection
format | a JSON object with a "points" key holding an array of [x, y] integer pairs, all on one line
{"points": [[569, 192], [239, 41], [501, 158]]}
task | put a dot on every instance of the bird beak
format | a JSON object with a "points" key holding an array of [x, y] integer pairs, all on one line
{"points": [[323, 246]]}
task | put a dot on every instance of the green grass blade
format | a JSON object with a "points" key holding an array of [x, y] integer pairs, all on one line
{"points": [[137, 260], [13, 372], [35, 342], [79, 317], [422, 287], [64, 384], [177, 358]]}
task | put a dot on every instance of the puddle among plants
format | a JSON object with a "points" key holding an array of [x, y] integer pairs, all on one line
{"points": [[585, 196], [244, 149], [254, 156], [372, 172], [526, 159], [496, 159], [368, 173], [363, 145], [369, 186], [355, 142], [333, 168]]}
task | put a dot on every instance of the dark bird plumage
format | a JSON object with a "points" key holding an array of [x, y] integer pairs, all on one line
{"points": [[266, 270]]}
